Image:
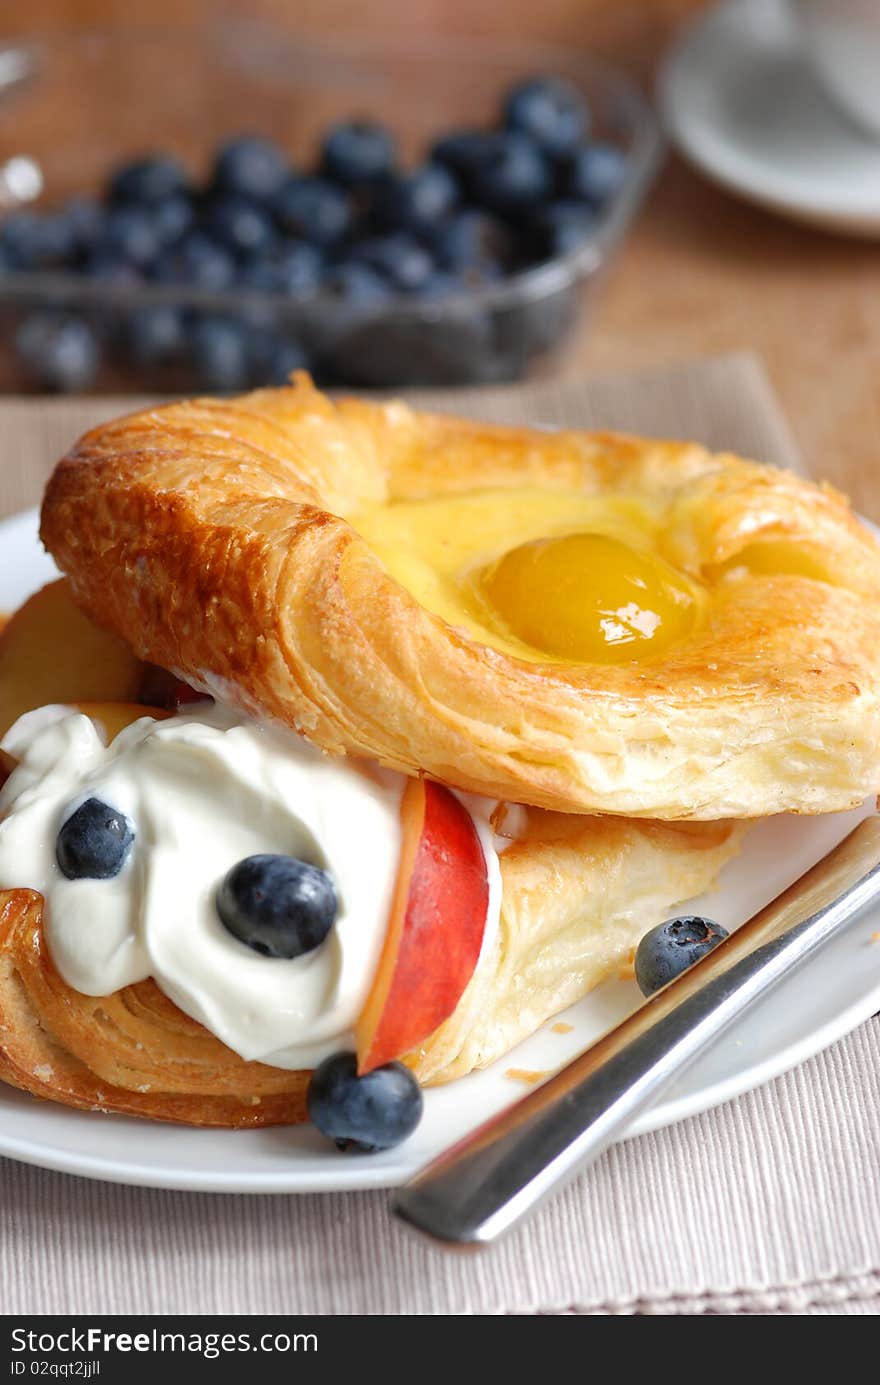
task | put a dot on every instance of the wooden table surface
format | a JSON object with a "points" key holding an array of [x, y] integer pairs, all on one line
{"points": [[701, 271], [704, 272]]}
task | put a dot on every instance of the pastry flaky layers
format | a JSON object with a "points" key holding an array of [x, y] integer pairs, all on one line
{"points": [[577, 894], [256, 547]]}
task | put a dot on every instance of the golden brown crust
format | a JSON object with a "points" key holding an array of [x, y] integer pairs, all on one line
{"points": [[132, 1052], [577, 894], [212, 535]]}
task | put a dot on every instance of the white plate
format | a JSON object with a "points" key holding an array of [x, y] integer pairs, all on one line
{"points": [[740, 103], [808, 1012]]}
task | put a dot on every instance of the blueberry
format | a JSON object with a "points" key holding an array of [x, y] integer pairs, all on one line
{"points": [[293, 269], [313, 209], [251, 166], [148, 180], [61, 353], [35, 241], [399, 259], [460, 151], [356, 283], [358, 153], [560, 227], [595, 173], [130, 234], [94, 842], [274, 356], [155, 334], [277, 905], [416, 201], [440, 283], [241, 224], [108, 267], [196, 260], [551, 111], [511, 174], [173, 217], [364, 1114], [219, 348], [670, 948], [85, 220], [20, 239], [474, 242], [287, 356], [58, 240]]}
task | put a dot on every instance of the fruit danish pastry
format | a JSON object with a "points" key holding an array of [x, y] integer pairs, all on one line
{"points": [[584, 622], [556, 674]]}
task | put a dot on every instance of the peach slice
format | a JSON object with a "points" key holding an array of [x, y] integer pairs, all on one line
{"points": [[435, 930], [51, 652]]}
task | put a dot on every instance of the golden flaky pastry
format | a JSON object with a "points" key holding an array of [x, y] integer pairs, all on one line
{"points": [[577, 895], [133, 1052], [341, 566]]}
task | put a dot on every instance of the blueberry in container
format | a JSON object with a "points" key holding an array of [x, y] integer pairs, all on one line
{"points": [[385, 215]]}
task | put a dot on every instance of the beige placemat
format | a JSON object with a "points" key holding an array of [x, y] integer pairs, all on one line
{"points": [[724, 403], [769, 1204]]}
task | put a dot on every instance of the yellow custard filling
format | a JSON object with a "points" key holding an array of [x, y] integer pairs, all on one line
{"points": [[778, 558], [538, 574]]}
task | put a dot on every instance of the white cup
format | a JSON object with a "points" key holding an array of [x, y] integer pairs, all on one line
{"points": [[841, 41]]}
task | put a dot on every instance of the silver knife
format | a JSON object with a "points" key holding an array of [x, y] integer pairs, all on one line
{"points": [[500, 1172]]}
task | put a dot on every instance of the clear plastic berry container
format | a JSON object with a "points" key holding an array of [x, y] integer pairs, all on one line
{"points": [[74, 107]]}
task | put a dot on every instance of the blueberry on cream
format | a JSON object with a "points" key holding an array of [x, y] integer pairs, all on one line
{"points": [[93, 842], [277, 905]]}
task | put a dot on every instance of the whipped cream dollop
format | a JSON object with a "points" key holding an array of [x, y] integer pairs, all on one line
{"points": [[203, 790]]}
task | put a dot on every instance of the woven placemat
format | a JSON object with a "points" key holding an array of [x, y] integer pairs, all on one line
{"points": [[725, 403]]}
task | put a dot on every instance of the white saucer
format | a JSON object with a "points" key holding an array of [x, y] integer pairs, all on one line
{"points": [[741, 105]]}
